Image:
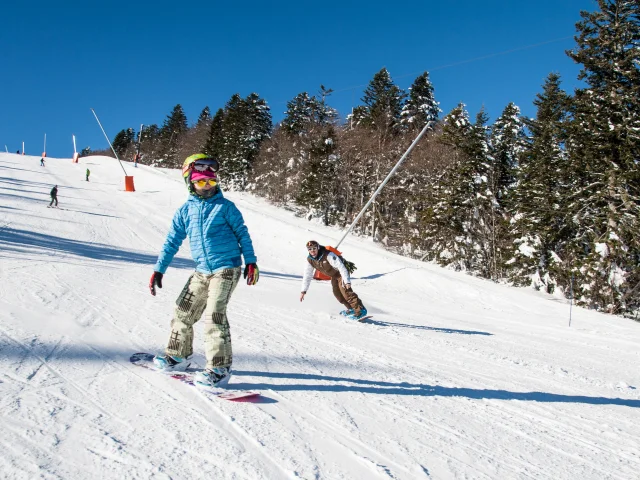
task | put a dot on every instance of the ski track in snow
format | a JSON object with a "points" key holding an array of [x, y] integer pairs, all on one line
{"points": [[452, 377]]}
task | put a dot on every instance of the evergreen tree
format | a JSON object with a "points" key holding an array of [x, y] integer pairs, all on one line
{"points": [[604, 152], [259, 125], [460, 223], [507, 142], [383, 102], [483, 215], [123, 141], [299, 114], [318, 188], [246, 124], [150, 143], [443, 221], [357, 117], [175, 125], [233, 165], [215, 141], [324, 114], [204, 117], [304, 112], [538, 225], [421, 107]]}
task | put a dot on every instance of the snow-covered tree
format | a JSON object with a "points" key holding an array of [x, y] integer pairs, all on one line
{"points": [[421, 106], [306, 113], [299, 114], [458, 225], [383, 102], [318, 188], [604, 151], [538, 218], [507, 142], [246, 124]]}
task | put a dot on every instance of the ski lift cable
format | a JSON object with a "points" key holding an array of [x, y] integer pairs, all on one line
{"points": [[470, 60], [455, 64]]}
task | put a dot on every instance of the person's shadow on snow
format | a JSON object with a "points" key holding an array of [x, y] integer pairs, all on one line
{"points": [[346, 385]]}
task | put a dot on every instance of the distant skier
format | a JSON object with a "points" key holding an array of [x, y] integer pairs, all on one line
{"points": [[330, 264], [218, 239], [54, 195], [42, 162], [88, 173]]}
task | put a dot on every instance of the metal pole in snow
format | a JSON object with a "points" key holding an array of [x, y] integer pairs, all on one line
{"points": [[384, 182], [6, 149], [74, 144], [105, 136], [571, 299], [139, 142], [140, 138]]}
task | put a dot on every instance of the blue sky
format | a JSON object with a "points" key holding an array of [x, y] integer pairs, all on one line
{"points": [[133, 64]]}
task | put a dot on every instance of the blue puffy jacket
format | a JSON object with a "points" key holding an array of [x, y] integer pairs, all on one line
{"points": [[217, 235]]}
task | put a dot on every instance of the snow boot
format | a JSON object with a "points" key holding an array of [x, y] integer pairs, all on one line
{"points": [[217, 377], [167, 363], [346, 313], [363, 313]]}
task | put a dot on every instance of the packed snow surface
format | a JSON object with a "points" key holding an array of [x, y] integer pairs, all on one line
{"points": [[452, 377]]}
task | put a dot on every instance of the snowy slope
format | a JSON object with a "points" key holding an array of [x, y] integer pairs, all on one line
{"points": [[453, 377]]}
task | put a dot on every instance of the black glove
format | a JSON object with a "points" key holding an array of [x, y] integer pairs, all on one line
{"points": [[251, 273], [156, 279]]}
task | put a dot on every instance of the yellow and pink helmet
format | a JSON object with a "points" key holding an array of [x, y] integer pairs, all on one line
{"points": [[199, 162]]}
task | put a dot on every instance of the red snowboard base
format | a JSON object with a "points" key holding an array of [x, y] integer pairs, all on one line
{"points": [[145, 360]]}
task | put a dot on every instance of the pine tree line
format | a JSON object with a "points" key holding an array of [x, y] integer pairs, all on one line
{"points": [[551, 201], [234, 134]]}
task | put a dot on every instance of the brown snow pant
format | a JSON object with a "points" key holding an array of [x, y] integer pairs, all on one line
{"points": [[346, 296], [209, 294]]}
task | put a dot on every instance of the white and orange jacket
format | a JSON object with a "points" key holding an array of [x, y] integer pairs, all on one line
{"points": [[334, 261]]}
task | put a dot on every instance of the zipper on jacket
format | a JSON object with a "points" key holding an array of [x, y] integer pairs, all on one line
{"points": [[204, 248]]}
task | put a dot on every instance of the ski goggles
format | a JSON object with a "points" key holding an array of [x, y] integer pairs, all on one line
{"points": [[203, 182], [204, 164], [312, 247]]}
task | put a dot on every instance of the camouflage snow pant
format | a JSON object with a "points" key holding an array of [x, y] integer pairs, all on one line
{"points": [[209, 294]]}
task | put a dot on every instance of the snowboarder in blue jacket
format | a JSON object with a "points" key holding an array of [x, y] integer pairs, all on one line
{"points": [[218, 239]]}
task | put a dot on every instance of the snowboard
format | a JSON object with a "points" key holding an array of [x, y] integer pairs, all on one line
{"points": [[350, 317], [361, 320], [145, 360]]}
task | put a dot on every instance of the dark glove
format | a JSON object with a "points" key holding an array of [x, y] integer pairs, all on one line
{"points": [[251, 273], [156, 279]]}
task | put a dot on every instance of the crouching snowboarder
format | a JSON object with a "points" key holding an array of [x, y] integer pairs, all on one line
{"points": [[219, 239], [330, 264]]}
